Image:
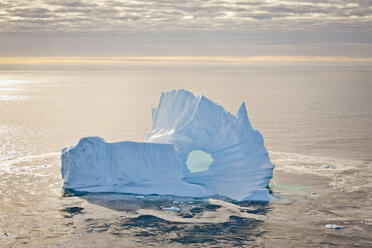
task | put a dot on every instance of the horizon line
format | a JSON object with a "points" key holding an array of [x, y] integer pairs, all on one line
{"points": [[169, 60]]}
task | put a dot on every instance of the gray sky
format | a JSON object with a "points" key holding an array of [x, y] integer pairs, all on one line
{"points": [[186, 28]]}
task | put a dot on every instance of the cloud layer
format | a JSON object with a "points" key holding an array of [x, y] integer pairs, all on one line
{"points": [[176, 15], [183, 24]]}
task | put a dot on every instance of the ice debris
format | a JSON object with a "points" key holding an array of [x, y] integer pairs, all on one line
{"points": [[332, 226], [174, 209], [95, 230], [194, 149]]}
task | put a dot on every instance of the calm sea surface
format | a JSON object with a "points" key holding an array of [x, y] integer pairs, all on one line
{"points": [[307, 118], [313, 112]]}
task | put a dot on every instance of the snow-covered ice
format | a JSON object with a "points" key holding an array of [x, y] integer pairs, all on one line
{"points": [[195, 148]]}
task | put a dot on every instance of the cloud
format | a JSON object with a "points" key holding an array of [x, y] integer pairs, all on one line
{"points": [[196, 24], [76, 3], [32, 13], [214, 15]]}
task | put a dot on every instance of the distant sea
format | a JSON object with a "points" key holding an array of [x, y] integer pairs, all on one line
{"points": [[320, 111]]}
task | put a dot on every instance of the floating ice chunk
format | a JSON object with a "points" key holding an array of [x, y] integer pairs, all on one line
{"points": [[332, 226], [95, 230], [194, 149], [174, 209]]}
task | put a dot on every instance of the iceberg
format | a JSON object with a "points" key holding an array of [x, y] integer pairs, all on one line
{"points": [[195, 148]]}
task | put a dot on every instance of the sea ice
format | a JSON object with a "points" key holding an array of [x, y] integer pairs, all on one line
{"points": [[195, 148]]}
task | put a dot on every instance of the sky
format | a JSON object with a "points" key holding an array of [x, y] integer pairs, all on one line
{"points": [[218, 30]]}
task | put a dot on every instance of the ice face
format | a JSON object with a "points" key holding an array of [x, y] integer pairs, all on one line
{"points": [[125, 167], [195, 148], [198, 161]]}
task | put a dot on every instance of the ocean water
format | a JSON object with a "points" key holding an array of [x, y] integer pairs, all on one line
{"points": [[308, 117]]}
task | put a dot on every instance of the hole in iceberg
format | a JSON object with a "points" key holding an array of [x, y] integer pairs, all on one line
{"points": [[199, 161]]}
